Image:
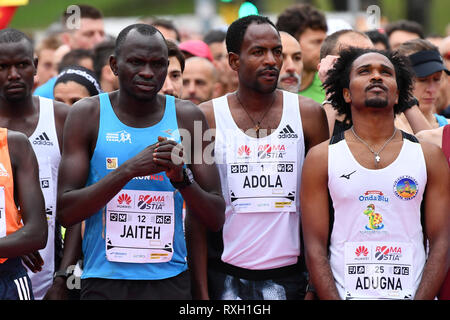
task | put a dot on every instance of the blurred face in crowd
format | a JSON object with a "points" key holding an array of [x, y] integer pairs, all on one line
{"points": [[46, 67], [290, 74], [426, 90], [199, 80], [69, 92], [173, 85], [398, 37], [90, 33], [310, 41]]}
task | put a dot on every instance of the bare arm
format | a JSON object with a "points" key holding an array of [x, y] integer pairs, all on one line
{"points": [[416, 119], [314, 122], [75, 201], [28, 196], [315, 221], [437, 222]]}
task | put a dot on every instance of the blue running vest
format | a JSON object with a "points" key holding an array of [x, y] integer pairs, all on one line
{"points": [[116, 143]]}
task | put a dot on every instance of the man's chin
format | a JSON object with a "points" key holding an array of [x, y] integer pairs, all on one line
{"points": [[376, 103]]}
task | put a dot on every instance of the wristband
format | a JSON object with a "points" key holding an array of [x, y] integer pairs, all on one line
{"points": [[60, 273], [326, 102]]}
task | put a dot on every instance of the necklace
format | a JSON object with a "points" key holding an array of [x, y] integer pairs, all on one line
{"points": [[257, 124], [376, 154]]}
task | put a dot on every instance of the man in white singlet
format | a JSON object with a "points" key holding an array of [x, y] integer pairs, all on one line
{"points": [[362, 191], [262, 135], [42, 121]]}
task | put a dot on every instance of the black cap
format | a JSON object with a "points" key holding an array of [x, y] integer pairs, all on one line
{"points": [[427, 62]]}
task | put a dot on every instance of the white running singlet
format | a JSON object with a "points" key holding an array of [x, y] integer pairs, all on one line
{"points": [[376, 247], [260, 183], [44, 141]]}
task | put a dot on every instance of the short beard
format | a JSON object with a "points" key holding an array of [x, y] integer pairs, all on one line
{"points": [[376, 103]]}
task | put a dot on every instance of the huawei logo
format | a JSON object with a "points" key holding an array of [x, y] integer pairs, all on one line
{"points": [[244, 150], [124, 199]]}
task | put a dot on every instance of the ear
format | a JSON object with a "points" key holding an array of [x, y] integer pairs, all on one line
{"points": [[346, 94], [113, 64], [65, 38], [35, 61], [233, 61]]}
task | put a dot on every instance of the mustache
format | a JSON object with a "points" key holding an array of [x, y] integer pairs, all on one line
{"points": [[272, 70], [290, 75], [376, 85]]}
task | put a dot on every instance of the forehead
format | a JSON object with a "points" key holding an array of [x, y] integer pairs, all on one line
{"points": [[198, 67], [290, 45], [174, 64], [150, 45], [261, 35], [19, 49], [352, 39], [91, 24], [372, 59]]}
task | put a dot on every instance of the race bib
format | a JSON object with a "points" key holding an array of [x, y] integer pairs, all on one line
{"points": [[265, 180], [140, 226], [378, 270]]}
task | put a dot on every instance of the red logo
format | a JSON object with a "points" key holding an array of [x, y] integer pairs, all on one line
{"points": [[124, 198], [244, 150], [361, 250]]}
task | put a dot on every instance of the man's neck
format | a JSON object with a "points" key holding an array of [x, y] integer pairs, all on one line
{"points": [[254, 101], [307, 79], [17, 109], [139, 113]]}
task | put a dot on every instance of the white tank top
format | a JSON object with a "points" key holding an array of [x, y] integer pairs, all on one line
{"points": [[260, 183], [376, 246], [44, 141]]}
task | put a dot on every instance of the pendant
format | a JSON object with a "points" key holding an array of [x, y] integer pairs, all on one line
{"points": [[377, 158]]}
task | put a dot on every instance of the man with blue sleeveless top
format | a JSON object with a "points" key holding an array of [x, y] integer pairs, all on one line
{"points": [[122, 172]]}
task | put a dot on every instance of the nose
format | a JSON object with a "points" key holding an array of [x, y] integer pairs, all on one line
{"points": [[146, 72], [13, 74], [270, 58], [167, 87], [288, 65]]}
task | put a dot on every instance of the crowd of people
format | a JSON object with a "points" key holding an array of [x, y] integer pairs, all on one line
{"points": [[273, 160]]}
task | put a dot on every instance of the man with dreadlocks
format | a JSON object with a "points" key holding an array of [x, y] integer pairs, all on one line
{"points": [[371, 164]]}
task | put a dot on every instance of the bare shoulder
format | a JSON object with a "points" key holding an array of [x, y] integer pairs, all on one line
{"points": [[208, 110], [18, 145], [308, 105], [319, 152], [434, 157]]}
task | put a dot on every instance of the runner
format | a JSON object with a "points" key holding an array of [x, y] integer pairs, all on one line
{"points": [[371, 246], [262, 135], [42, 121], [440, 137], [122, 172]]}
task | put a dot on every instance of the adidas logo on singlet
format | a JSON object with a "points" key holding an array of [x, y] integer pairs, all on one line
{"points": [[287, 133], [43, 139]]}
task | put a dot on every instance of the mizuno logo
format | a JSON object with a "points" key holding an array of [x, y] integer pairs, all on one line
{"points": [[347, 176], [287, 133], [43, 139]]}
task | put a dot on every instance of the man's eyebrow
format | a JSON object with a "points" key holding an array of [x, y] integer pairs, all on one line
{"points": [[369, 65]]}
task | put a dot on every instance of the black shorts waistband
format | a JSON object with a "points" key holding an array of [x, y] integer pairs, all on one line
{"points": [[256, 274]]}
